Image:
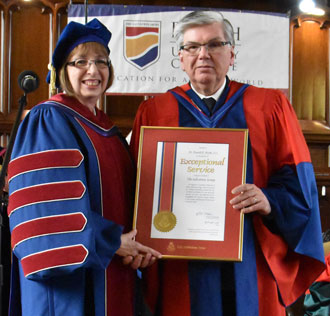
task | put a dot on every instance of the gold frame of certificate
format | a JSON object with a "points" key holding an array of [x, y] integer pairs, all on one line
{"points": [[184, 181]]}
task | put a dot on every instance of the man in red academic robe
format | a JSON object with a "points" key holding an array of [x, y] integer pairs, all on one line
{"points": [[282, 235]]}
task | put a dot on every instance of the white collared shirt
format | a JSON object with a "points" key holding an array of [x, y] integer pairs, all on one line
{"points": [[215, 96]]}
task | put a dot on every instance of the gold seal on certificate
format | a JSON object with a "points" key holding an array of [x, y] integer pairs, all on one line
{"points": [[164, 221]]}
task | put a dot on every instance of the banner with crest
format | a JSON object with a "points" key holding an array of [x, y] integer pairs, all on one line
{"points": [[145, 56]]}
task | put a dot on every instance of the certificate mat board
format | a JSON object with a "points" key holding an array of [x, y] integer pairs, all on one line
{"points": [[184, 181]]}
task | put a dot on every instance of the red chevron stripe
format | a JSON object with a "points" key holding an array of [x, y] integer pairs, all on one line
{"points": [[45, 193], [64, 158], [57, 224], [54, 258], [133, 31]]}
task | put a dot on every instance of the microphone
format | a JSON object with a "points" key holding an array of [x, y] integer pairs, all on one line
{"points": [[28, 81]]}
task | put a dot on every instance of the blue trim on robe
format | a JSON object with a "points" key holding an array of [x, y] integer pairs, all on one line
{"points": [[104, 132], [203, 120], [297, 211], [205, 277], [113, 131]]}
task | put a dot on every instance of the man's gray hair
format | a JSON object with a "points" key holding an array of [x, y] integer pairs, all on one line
{"points": [[197, 18]]}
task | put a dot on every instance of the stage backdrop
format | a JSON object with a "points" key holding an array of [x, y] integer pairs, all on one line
{"points": [[145, 56]]}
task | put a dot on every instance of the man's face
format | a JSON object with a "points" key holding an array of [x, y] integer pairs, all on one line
{"points": [[206, 71]]}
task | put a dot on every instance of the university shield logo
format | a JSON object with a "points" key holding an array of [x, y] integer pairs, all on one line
{"points": [[141, 43]]}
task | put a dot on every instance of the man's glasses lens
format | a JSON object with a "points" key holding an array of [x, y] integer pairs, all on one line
{"points": [[212, 47]]}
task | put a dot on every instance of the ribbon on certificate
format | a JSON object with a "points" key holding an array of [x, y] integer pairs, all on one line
{"points": [[165, 220]]}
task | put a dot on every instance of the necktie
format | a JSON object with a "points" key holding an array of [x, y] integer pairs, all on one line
{"points": [[209, 102]]}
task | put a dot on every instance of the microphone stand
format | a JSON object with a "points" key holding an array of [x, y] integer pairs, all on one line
{"points": [[3, 205]]}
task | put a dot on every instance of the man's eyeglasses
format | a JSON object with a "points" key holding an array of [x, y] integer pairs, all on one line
{"points": [[212, 47], [85, 63]]}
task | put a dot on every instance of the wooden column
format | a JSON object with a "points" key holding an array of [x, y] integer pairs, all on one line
{"points": [[310, 98]]}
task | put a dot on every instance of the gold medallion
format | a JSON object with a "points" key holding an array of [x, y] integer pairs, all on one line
{"points": [[164, 221]]}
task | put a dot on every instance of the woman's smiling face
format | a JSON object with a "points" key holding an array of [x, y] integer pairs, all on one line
{"points": [[88, 73]]}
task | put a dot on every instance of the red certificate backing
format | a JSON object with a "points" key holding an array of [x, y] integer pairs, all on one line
{"points": [[231, 248]]}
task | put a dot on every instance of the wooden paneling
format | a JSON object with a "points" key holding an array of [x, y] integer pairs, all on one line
{"points": [[31, 49], [29, 30], [310, 71]]}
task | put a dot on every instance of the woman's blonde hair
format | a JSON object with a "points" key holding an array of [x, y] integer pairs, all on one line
{"points": [[83, 48]]}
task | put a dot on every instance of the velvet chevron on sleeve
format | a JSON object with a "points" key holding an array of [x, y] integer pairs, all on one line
{"points": [[71, 183]]}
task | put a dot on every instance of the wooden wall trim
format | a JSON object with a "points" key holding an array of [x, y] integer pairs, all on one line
{"points": [[315, 131]]}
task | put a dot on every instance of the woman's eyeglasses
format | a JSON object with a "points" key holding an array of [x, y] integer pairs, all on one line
{"points": [[82, 63]]}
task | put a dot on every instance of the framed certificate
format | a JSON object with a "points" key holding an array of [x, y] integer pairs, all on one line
{"points": [[184, 182]]}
